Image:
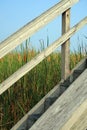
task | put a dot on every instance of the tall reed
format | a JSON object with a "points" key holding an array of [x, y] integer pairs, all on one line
{"points": [[24, 94]]}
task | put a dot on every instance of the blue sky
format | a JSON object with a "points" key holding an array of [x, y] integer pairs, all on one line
{"points": [[15, 14]]}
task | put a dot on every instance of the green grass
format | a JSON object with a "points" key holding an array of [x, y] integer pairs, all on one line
{"points": [[24, 94]]}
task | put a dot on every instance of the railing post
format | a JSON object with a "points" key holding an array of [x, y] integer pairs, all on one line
{"points": [[65, 48]]}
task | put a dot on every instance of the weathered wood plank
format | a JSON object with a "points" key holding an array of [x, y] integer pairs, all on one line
{"points": [[38, 108], [76, 118], [55, 92], [32, 27], [65, 48], [81, 124], [63, 109], [27, 67]]}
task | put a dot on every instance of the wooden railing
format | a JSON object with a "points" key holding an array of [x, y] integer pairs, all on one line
{"points": [[24, 33]]}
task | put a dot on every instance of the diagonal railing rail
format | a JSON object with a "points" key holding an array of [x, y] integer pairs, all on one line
{"points": [[32, 27], [36, 60]]}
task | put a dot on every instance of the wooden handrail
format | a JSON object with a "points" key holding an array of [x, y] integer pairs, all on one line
{"points": [[63, 7], [32, 27], [30, 65]]}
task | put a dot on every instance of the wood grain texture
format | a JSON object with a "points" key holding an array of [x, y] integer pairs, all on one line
{"points": [[27, 67], [55, 92], [65, 48], [32, 27], [81, 123], [78, 120], [38, 108], [72, 100]]}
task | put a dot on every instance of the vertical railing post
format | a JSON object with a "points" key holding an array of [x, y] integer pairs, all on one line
{"points": [[65, 48]]}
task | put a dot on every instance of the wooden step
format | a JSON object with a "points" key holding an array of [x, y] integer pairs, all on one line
{"points": [[48, 102], [68, 110], [32, 119], [76, 74], [50, 98]]}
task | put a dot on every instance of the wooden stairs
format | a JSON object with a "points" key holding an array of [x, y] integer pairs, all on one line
{"points": [[63, 108]]}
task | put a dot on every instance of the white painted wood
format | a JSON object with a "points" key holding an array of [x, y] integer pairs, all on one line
{"points": [[27, 67], [32, 27], [71, 101]]}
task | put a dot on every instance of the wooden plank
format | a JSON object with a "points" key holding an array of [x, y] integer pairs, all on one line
{"points": [[65, 48], [55, 92], [38, 108], [76, 118], [27, 67], [32, 27], [63, 109], [81, 124]]}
